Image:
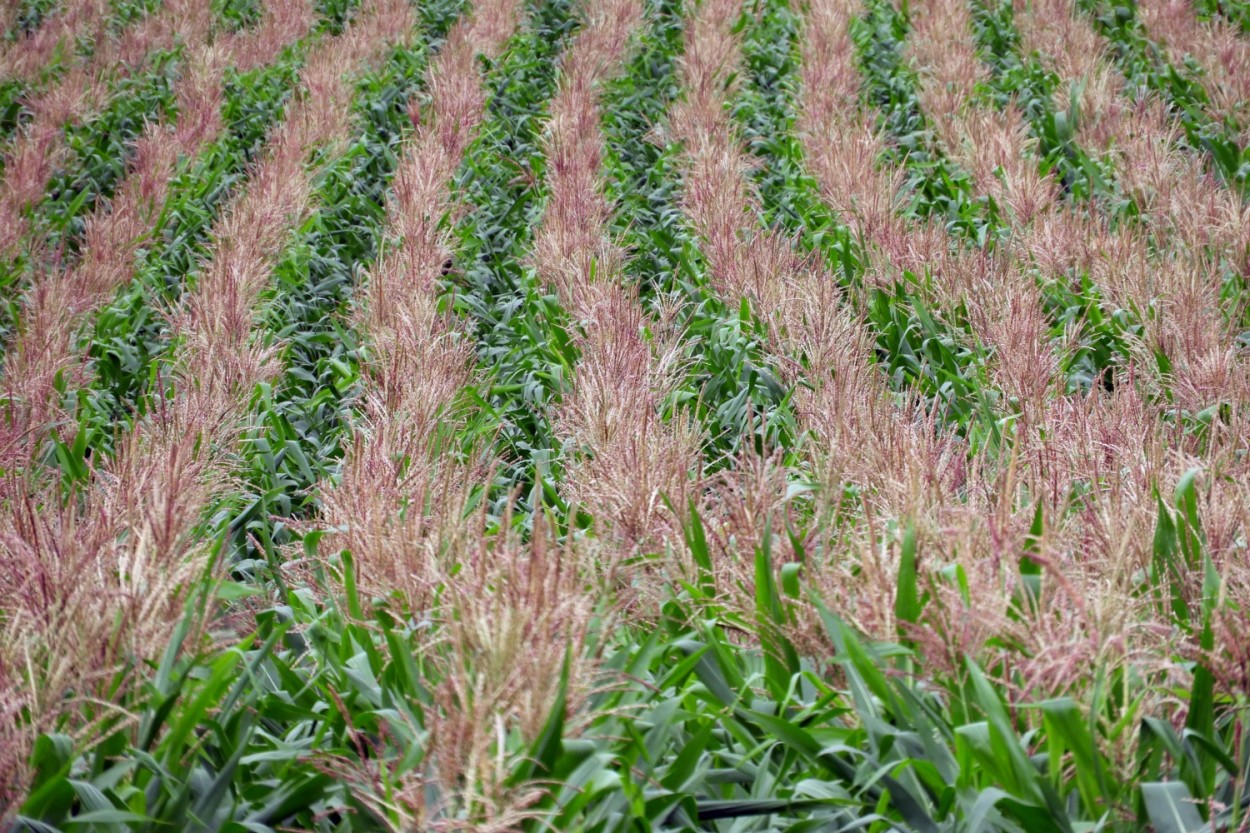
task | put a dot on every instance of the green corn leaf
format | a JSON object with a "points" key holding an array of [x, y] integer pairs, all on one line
{"points": [[907, 600], [1170, 808], [1067, 731]]}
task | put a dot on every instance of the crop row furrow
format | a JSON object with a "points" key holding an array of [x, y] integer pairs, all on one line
{"points": [[722, 378], [304, 419], [718, 289], [522, 332], [401, 479], [622, 460]]}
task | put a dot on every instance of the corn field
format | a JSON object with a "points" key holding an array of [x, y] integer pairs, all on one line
{"points": [[625, 416]]}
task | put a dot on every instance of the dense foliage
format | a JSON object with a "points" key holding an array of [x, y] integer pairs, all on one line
{"points": [[962, 543]]}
